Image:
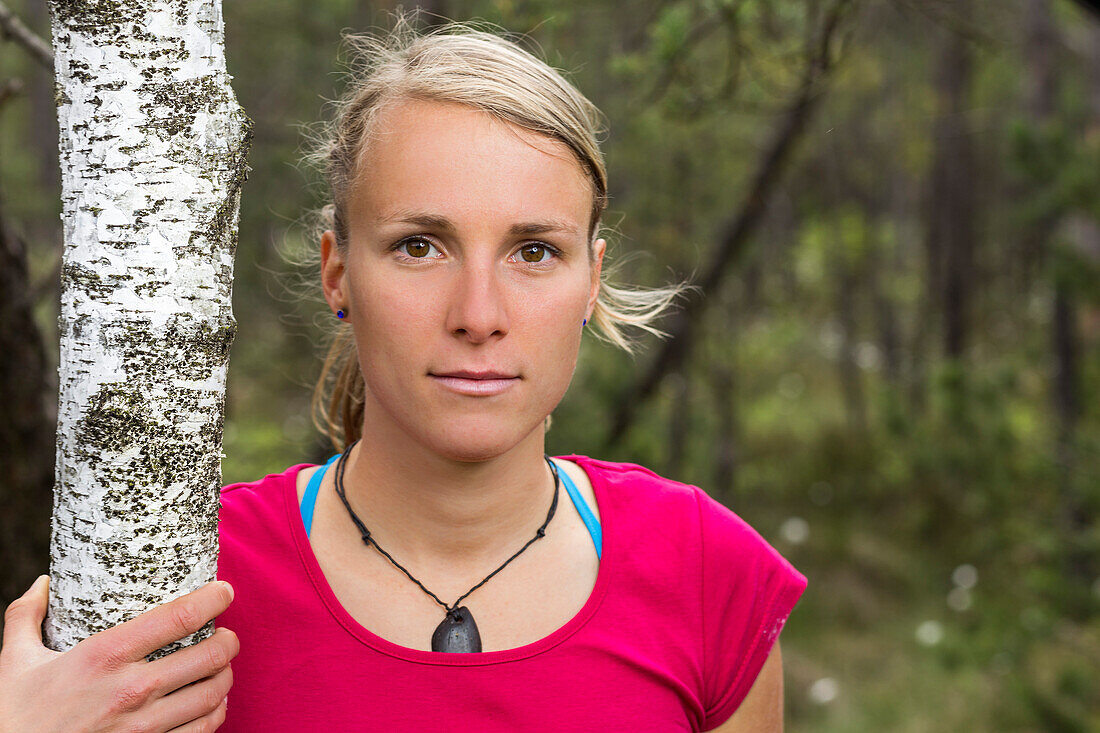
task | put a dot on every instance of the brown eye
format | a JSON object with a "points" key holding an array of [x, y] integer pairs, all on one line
{"points": [[533, 252], [418, 248]]}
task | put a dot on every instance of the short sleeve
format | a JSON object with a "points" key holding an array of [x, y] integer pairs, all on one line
{"points": [[748, 591]]}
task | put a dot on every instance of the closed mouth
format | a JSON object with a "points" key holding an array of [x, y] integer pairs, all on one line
{"points": [[465, 374]]}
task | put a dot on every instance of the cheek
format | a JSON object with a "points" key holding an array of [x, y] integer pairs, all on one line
{"points": [[550, 327], [393, 327], [392, 310]]}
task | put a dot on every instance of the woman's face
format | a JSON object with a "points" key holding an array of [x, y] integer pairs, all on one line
{"points": [[468, 257]]}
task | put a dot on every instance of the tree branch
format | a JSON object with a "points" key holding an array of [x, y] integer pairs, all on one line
{"points": [[13, 28], [740, 229]]}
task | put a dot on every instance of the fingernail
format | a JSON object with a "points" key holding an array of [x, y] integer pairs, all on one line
{"points": [[229, 588], [39, 581]]}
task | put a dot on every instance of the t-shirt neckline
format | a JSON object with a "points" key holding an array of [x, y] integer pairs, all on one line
{"points": [[368, 637]]}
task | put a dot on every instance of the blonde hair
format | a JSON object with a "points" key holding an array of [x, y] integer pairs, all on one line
{"points": [[460, 63]]}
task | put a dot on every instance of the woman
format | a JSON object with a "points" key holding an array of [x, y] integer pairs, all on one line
{"points": [[440, 571]]}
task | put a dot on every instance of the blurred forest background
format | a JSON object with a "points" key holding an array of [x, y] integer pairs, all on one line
{"points": [[892, 210]]}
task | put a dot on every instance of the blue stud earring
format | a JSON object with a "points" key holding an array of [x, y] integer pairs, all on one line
{"points": [[340, 313], [584, 323]]}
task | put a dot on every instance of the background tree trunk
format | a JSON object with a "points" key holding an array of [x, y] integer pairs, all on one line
{"points": [[953, 192], [26, 430], [152, 156], [26, 386], [1044, 81], [723, 371]]}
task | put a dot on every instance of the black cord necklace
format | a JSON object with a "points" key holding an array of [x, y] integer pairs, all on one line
{"points": [[457, 632]]}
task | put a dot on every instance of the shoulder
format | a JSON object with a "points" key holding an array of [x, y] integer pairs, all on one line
{"points": [[638, 487], [743, 588], [646, 495], [256, 529], [679, 526], [249, 502]]}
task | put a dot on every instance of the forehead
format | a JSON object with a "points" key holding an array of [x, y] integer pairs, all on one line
{"points": [[464, 163]]}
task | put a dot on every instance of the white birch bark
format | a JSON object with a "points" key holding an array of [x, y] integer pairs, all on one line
{"points": [[153, 149]]}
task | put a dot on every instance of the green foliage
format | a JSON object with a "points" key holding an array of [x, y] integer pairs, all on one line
{"points": [[669, 33]]}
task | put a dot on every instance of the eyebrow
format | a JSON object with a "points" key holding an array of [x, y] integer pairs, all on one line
{"points": [[433, 221]]}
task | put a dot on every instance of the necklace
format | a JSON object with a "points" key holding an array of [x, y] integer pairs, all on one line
{"points": [[457, 632]]}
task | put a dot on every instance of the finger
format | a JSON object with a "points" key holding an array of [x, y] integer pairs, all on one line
{"points": [[192, 663], [133, 640], [206, 723], [23, 617], [192, 702]]}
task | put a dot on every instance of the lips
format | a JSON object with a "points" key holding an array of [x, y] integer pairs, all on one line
{"points": [[476, 384], [467, 374]]}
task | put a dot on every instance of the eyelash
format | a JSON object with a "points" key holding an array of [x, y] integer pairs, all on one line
{"points": [[417, 238]]}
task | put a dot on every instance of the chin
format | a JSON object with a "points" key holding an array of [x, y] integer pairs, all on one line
{"points": [[468, 451]]}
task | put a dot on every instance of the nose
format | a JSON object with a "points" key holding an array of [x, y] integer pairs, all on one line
{"points": [[478, 305]]}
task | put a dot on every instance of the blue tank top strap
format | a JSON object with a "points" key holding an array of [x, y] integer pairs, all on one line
{"points": [[309, 501], [587, 516]]}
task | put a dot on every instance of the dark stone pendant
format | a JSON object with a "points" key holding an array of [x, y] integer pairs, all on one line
{"points": [[457, 633]]}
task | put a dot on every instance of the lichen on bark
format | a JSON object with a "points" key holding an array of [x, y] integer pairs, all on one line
{"points": [[153, 147]]}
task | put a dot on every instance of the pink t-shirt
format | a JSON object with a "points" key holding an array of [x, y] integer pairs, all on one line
{"points": [[687, 604]]}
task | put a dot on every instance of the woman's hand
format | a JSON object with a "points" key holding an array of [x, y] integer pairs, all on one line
{"points": [[104, 683]]}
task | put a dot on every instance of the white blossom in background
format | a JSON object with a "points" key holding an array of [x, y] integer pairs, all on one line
{"points": [[929, 633], [959, 599], [153, 148], [824, 690], [795, 530], [965, 576]]}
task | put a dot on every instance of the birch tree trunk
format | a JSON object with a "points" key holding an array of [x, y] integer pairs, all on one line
{"points": [[152, 148]]}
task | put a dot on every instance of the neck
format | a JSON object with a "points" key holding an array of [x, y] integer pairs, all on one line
{"points": [[431, 510]]}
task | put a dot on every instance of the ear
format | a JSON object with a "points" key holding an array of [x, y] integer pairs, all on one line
{"points": [[598, 249], [333, 273]]}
